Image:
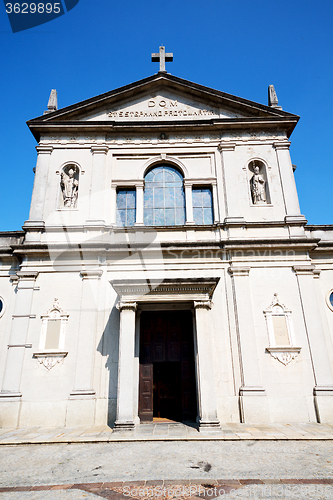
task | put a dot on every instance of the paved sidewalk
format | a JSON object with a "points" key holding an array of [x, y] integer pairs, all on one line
{"points": [[168, 461], [167, 432], [165, 470]]}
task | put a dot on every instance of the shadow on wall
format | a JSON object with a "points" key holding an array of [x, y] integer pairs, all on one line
{"points": [[109, 348]]}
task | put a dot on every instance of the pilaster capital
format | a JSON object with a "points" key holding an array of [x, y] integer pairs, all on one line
{"points": [[130, 306], [305, 270], [99, 149], [27, 275], [282, 145], [47, 150], [91, 274], [203, 304], [188, 183], [226, 146], [239, 271]]}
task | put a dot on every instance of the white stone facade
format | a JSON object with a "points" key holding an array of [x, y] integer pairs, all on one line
{"points": [[257, 278]]}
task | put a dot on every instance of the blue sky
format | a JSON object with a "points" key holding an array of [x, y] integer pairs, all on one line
{"points": [[237, 46]]}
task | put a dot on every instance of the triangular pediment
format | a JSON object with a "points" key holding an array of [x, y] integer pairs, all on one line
{"points": [[160, 98], [161, 105]]}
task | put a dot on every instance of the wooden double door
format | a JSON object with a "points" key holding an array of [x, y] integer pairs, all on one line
{"points": [[167, 384]]}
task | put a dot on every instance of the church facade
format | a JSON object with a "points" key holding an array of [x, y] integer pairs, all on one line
{"points": [[166, 270]]}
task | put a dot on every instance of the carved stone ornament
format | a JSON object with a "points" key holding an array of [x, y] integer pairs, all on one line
{"points": [[49, 360], [52, 340], [280, 332], [284, 354], [55, 311]]}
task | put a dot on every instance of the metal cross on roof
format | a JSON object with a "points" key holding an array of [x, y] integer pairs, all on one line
{"points": [[162, 57]]}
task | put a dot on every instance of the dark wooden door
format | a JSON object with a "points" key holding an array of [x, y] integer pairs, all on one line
{"points": [[167, 385]]}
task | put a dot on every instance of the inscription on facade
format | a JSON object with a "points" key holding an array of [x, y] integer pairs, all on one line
{"points": [[160, 108]]}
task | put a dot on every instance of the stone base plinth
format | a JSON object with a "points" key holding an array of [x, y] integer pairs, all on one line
{"points": [[9, 413], [127, 425], [323, 397], [207, 426], [80, 412], [253, 405]]}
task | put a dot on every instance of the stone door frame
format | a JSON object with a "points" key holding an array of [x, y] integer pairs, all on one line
{"points": [[170, 293]]}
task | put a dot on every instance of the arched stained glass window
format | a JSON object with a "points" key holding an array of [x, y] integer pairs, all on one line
{"points": [[164, 199]]}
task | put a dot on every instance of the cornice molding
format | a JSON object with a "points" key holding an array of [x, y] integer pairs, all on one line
{"points": [[208, 181], [118, 183], [196, 289]]}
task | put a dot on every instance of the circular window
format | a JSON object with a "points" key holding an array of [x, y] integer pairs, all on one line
{"points": [[329, 299], [2, 306]]}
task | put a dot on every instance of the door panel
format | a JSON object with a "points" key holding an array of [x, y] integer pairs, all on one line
{"points": [[146, 392], [167, 370]]}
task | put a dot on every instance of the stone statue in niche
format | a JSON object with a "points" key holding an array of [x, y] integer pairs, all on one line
{"points": [[69, 186], [257, 184]]}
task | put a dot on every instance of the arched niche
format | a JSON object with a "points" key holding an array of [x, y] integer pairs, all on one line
{"points": [[258, 183], [69, 186]]}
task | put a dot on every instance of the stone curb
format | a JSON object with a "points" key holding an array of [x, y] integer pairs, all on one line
{"points": [[161, 439]]}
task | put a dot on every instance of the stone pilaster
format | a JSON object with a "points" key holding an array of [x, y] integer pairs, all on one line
{"points": [[253, 406], [83, 385], [11, 388], [205, 367], [215, 203], [97, 199], [81, 406], [188, 202], [293, 213], [139, 203], [36, 217], [323, 390], [231, 191], [113, 215], [125, 419]]}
